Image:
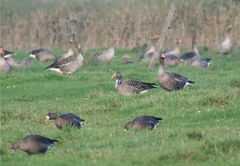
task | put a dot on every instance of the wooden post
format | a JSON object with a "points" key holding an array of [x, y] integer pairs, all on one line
{"points": [[163, 34]]}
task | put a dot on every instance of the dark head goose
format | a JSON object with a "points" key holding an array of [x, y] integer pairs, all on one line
{"points": [[143, 122], [128, 87], [171, 81], [67, 119], [33, 144]]}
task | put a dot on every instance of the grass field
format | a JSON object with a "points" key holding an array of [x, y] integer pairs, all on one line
{"points": [[201, 125]]}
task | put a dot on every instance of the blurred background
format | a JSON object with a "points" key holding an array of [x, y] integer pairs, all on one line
{"points": [[29, 24]]}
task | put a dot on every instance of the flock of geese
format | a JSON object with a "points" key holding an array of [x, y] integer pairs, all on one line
{"points": [[72, 61]]}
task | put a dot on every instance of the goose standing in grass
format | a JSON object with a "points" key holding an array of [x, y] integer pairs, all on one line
{"points": [[68, 119], [143, 122], [42, 54], [4, 65], [67, 64], [187, 56], [171, 81], [128, 87], [105, 56], [172, 57], [226, 46], [33, 144]]}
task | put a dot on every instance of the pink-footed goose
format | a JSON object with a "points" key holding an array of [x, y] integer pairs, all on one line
{"points": [[171, 81], [67, 64], [128, 87], [4, 65], [143, 122]]}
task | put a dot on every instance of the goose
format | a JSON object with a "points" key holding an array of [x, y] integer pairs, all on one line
{"points": [[67, 64], [171, 81], [176, 50], [200, 63], [172, 56], [128, 87], [148, 55], [226, 46], [187, 56], [143, 122], [67, 119], [42, 54], [6, 52], [13, 62], [33, 144], [4, 65], [105, 56]]}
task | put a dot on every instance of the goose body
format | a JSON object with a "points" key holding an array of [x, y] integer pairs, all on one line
{"points": [[143, 122], [201, 63], [148, 55], [68, 64], [33, 144], [106, 55], [5, 67], [13, 62], [226, 46], [42, 55], [171, 81], [128, 87], [67, 119]]}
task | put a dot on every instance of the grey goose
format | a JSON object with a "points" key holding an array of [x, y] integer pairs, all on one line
{"points": [[42, 54], [67, 119], [171, 81], [5, 67], [143, 122], [33, 144], [67, 64], [200, 63], [105, 56], [14, 63], [128, 87]]}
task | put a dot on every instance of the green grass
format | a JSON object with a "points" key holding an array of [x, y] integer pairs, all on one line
{"points": [[201, 125]]}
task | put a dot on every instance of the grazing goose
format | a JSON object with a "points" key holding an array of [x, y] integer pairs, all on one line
{"points": [[226, 46], [68, 119], [67, 64], [4, 65], [143, 122], [148, 55], [33, 144], [42, 55], [129, 87], [105, 55], [171, 81]]}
